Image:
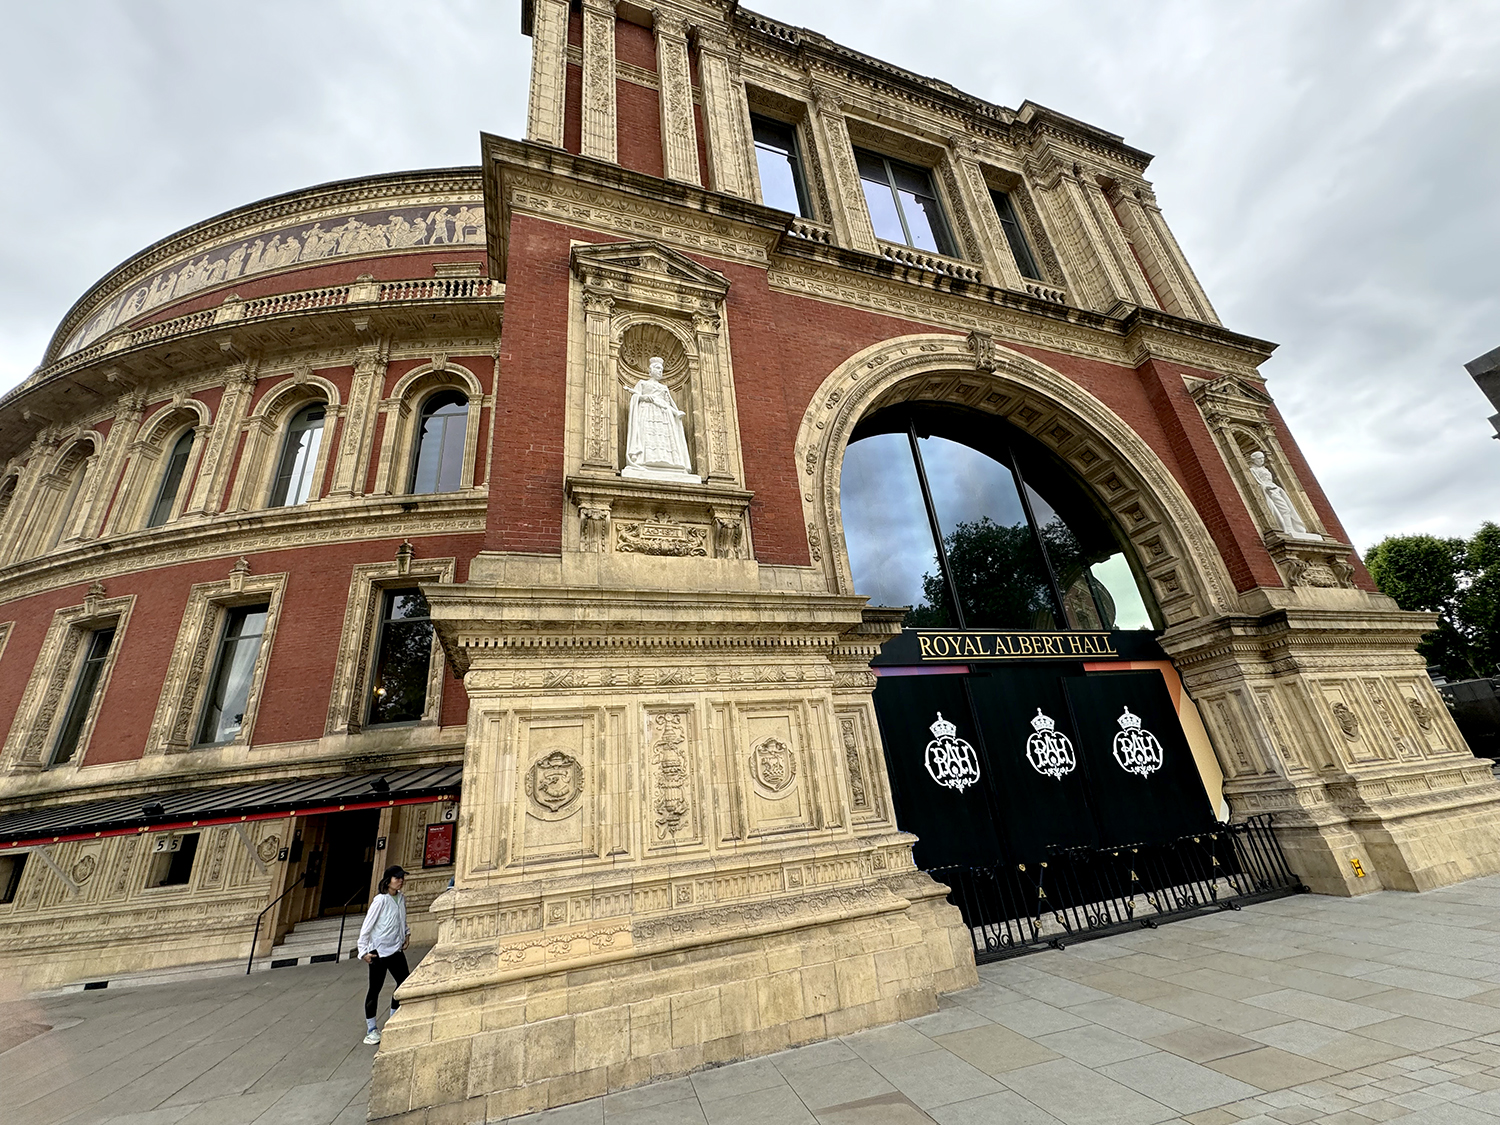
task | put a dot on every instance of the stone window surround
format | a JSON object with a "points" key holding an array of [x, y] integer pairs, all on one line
{"points": [[34, 728], [143, 471], [933, 157], [347, 708], [763, 102], [265, 432], [188, 676], [62, 493], [402, 410]]}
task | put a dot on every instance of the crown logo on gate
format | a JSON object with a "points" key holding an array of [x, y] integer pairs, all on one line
{"points": [[942, 728], [1129, 721], [1042, 722]]}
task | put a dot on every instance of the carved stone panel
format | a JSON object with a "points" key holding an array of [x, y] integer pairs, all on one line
{"points": [[555, 814], [775, 770]]}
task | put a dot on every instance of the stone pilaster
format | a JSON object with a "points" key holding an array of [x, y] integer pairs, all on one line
{"points": [[1126, 279], [122, 433], [218, 458], [719, 457], [851, 219], [599, 100], [549, 72], [679, 136], [994, 250], [358, 436], [599, 439], [726, 114], [1196, 302]]}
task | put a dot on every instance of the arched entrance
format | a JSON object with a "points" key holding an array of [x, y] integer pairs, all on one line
{"points": [[1038, 739]]}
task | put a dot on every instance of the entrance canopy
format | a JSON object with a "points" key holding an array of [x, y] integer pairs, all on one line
{"points": [[233, 804]]}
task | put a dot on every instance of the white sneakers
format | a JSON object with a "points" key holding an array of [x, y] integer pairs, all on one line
{"points": [[373, 1037]]}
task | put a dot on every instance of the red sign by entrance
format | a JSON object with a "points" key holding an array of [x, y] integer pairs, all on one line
{"points": [[439, 849]]}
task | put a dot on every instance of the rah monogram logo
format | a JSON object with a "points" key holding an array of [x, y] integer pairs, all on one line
{"points": [[1049, 751], [950, 760], [1136, 749]]}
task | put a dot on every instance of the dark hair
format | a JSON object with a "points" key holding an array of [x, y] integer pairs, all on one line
{"points": [[394, 871]]}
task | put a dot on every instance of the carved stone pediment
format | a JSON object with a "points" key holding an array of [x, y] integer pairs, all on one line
{"points": [[647, 269], [1316, 562]]}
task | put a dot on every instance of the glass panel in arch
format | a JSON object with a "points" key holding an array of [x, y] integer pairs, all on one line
{"points": [[892, 556], [997, 567], [1098, 587]]}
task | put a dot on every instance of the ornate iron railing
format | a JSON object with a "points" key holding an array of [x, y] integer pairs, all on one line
{"points": [[1082, 893]]}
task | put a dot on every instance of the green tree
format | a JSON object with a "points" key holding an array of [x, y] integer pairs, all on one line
{"points": [[1459, 579], [1000, 577]]}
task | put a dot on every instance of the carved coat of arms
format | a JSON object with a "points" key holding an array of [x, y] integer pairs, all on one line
{"points": [[950, 761], [554, 782], [1049, 751], [1136, 749], [773, 765]]}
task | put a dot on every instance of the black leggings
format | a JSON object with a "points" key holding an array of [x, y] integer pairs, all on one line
{"points": [[396, 963]]}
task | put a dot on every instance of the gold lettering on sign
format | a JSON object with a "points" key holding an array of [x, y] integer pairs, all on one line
{"points": [[981, 645]]}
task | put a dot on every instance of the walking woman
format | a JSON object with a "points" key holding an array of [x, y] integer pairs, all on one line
{"points": [[382, 941]]}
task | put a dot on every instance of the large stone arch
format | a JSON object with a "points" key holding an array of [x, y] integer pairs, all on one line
{"points": [[1171, 542]]}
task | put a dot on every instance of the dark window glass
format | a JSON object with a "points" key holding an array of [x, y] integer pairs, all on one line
{"points": [[174, 867], [997, 566], [11, 867], [886, 528], [82, 699], [1014, 235], [299, 456], [903, 203], [398, 692], [1010, 540], [439, 462], [171, 481], [234, 667], [779, 160]]}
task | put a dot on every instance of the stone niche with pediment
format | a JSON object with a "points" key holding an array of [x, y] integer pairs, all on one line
{"points": [[633, 301]]}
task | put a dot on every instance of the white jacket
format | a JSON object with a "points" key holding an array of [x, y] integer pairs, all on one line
{"points": [[385, 929]]}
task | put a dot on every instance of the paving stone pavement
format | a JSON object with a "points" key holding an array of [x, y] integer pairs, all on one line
{"points": [[1303, 1010]]}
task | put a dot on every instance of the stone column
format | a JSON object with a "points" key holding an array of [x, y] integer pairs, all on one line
{"points": [[726, 114], [218, 458], [679, 136], [994, 249], [599, 80], [599, 436], [851, 218], [24, 503], [718, 462], [1195, 301], [1126, 278], [122, 433], [549, 72], [358, 437]]}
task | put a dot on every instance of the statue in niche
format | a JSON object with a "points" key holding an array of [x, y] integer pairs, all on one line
{"points": [[1281, 504], [655, 442]]}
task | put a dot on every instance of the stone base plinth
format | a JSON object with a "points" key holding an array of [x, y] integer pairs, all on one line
{"points": [[576, 1011]]}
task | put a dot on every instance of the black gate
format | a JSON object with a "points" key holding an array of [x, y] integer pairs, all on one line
{"points": [[1060, 803]]}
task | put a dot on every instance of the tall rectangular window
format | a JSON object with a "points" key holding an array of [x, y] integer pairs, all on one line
{"points": [[903, 203], [85, 687], [1015, 236], [398, 692], [11, 869], [172, 866], [777, 156], [234, 669]]}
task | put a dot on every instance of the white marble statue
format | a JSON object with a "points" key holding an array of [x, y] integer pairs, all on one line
{"points": [[1281, 504], [655, 442]]}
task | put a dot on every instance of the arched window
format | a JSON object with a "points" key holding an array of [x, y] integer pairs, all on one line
{"points": [[7, 494], [171, 481], [975, 525], [74, 469], [439, 460], [299, 456]]}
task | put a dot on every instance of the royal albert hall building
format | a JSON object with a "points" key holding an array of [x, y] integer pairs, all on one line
{"points": [[952, 533]]}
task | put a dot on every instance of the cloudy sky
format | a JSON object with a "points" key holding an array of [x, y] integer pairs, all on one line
{"points": [[1329, 166]]}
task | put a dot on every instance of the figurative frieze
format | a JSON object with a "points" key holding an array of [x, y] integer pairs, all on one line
{"points": [[459, 223]]}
